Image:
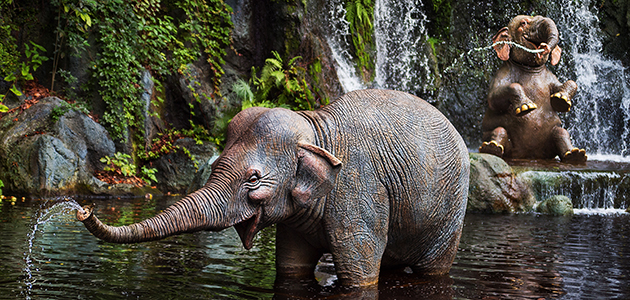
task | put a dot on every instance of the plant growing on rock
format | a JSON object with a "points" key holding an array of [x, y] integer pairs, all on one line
{"points": [[280, 84], [360, 15], [33, 61], [122, 165]]}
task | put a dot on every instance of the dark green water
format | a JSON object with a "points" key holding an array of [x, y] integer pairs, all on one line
{"points": [[500, 257]]}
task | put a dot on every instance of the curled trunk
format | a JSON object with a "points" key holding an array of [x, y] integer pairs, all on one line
{"points": [[545, 30]]}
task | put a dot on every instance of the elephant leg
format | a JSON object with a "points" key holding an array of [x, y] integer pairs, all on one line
{"points": [[358, 231], [518, 103], [295, 257], [566, 151], [495, 142], [440, 265], [561, 100]]}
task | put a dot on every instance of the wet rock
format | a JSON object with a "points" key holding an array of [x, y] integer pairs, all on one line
{"points": [[558, 205], [50, 148], [495, 188], [176, 170], [202, 175]]}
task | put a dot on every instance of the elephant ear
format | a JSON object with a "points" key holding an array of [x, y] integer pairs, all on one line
{"points": [[503, 50], [316, 173], [555, 55]]}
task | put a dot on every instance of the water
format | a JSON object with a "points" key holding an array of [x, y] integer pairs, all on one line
{"points": [[339, 40], [601, 113], [44, 215], [400, 35], [502, 257]]}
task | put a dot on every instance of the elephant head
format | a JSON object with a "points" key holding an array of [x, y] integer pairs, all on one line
{"points": [[269, 171], [533, 33]]}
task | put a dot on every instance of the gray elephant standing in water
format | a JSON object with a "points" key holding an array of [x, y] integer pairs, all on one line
{"points": [[378, 178]]}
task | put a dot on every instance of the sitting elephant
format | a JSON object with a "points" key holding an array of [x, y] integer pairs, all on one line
{"points": [[378, 178], [521, 120]]}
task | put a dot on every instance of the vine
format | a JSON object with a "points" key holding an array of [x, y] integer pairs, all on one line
{"points": [[207, 28]]}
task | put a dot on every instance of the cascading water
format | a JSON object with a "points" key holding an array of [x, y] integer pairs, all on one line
{"points": [[400, 35], [401, 62], [600, 118], [338, 38]]}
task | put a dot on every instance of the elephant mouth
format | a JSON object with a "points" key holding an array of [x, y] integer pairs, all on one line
{"points": [[534, 44], [247, 229]]}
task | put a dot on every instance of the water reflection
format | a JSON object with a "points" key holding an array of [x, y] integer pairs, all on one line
{"points": [[500, 257]]}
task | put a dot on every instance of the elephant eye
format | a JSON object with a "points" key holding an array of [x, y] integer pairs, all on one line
{"points": [[253, 179]]}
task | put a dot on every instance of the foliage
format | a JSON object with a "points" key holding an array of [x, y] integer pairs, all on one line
{"points": [[132, 36], [23, 73], [164, 143], [121, 163], [148, 174], [58, 112], [280, 84], [1, 186], [442, 10], [360, 15], [207, 29]]}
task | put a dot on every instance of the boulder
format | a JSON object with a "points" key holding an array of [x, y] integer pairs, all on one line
{"points": [[495, 188], [202, 175], [51, 148], [557, 205], [176, 170]]}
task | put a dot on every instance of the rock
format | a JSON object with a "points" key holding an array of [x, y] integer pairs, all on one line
{"points": [[51, 148], [152, 123], [495, 188], [175, 171], [558, 205], [202, 175]]}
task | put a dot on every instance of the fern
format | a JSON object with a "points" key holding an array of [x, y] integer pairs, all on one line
{"points": [[279, 85]]}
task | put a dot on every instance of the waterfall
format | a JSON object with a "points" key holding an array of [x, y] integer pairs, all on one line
{"points": [[339, 39], [600, 118], [400, 35], [401, 62], [587, 190]]}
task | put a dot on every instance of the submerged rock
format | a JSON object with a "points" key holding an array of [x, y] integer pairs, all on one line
{"points": [[557, 205], [495, 188]]}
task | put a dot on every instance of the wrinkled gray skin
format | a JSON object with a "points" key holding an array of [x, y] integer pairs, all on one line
{"points": [[377, 178], [522, 120]]}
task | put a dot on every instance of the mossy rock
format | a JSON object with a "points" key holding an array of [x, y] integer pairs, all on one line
{"points": [[557, 205], [494, 187]]}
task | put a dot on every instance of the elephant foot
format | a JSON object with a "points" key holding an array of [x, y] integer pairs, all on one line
{"points": [[560, 102], [525, 108], [575, 156], [492, 147]]}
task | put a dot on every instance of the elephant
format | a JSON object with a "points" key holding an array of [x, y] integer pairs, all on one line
{"points": [[377, 178], [521, 120]]}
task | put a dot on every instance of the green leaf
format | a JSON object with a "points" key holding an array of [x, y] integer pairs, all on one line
{"points": [[10, 77], [3, 108], [25, 69], [16, 91]]}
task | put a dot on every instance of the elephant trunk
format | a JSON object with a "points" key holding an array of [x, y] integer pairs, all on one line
{"points": [[190, 214], [545, 30]]}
